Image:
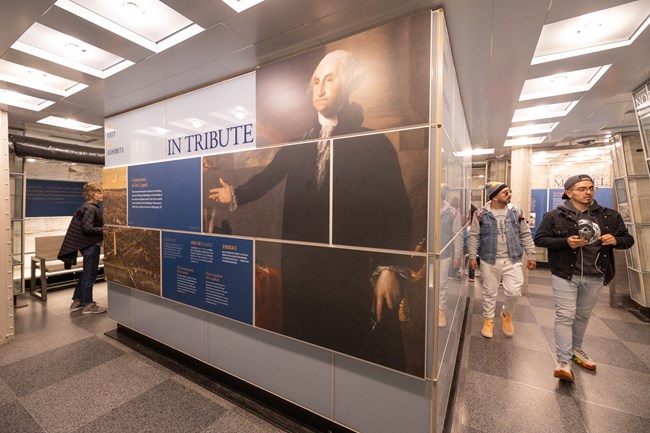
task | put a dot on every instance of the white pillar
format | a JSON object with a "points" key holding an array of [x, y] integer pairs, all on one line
{"points": [[520, 184], [6, 281]]}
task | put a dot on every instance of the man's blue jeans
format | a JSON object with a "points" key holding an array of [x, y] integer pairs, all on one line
{"points": [[575, 299], [84, 289]]}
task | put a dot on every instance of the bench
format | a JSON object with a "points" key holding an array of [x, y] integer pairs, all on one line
{"points": [[44, 264]]}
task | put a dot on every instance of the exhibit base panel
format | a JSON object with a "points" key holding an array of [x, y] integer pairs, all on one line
{"points": [[336, 390]]}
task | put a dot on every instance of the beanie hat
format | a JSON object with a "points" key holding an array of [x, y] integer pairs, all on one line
{"points": [[493, 188], [573, 180]]}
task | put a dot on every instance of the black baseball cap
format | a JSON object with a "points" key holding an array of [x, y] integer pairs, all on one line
{"points": [[573, 180]]}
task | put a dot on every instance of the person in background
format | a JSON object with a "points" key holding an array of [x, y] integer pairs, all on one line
{"points": [[500, 234], [452, 257], [580, 236], [471, 272], [85, 234]]}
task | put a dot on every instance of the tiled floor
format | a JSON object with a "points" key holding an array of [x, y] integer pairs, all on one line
{"points": [[507, 384], [62, 374]]}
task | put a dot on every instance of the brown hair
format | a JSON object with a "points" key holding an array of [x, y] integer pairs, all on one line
{"points": [[91, 188]]}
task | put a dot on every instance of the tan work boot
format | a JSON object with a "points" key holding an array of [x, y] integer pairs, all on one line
{"points": [[442, 319], [488, 326], [506, 325]]}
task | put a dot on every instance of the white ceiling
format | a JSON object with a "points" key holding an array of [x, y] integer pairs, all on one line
{"points": [[493, 43]]}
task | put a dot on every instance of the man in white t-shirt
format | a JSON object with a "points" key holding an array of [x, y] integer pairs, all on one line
{"points": [[499, 236]]}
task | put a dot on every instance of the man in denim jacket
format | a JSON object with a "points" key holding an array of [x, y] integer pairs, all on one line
{"points": [[500, 235], [580, 236]]}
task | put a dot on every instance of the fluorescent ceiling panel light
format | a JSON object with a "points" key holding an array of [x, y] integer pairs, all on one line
{"points": [[27, 102], [597, 31], [539, 128], [154, 131], [473, 152], [68, 123], [241, 5], [562, 84], [36, 79], [543, 112], [524, 141], [148, 23], [57, 47]]}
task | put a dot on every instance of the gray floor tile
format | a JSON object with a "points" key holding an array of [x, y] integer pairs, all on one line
{"points": [[78, 400], [14, 418], [545, 317], [167, 407], [54, 335], [491, 404], [531, 367], [523, 313], [605, 311], [526, 334], [38, 371], [6, 394], [600, 419], [541, 301], [597, 327], [613, 387], [642, 352], [239, 421], [614, 352], [636, 332]]}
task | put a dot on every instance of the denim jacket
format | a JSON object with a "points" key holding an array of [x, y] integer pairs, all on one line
{"points": [[484, 231]]}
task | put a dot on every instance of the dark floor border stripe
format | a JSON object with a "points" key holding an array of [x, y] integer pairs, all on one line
{"points": [[449, 414], [271, 408]]}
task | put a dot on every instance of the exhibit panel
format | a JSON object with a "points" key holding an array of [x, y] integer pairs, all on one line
{"points": [[318, 238]]}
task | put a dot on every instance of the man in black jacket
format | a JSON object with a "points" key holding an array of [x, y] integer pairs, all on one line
{"points": [[85, 233], [580, 236]]}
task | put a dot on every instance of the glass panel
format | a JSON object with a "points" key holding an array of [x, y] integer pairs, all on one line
{"points": [[618, 159], [16, 197], [636, 287], [16, 241], [634, 158], [622, 200], [639, 198], [642, 241], [17, 279], [16, 164], [632, 254]]}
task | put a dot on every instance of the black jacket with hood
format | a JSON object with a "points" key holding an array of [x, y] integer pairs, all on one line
{"points": [[554, 230]]}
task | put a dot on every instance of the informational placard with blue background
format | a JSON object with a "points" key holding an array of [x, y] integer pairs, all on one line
{"points": [[52, 198], [165, 195], [209, 272]]}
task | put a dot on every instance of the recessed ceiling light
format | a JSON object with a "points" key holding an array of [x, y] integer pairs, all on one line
{"points": [[241, 5], [524, 141], [54, 46], [538, 128], [151, 24], [36, 79], [68, 123], [20, 100], [473, 152], [561, 84], [606, 29], [547, 111]]}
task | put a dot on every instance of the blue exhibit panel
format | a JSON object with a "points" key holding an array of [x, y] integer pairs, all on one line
{"points": [[209, 272], [538, 207], [166, 195], [51, 198]]}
